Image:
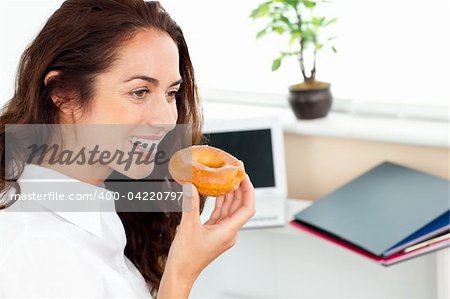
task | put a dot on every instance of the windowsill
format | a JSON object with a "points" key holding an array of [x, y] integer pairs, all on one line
{"points": [[340, 125]]}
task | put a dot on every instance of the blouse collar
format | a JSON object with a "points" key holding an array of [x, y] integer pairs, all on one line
{"points": [[60, 191]]}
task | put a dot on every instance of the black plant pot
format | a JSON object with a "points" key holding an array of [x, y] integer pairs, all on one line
{"points": [[310, 103]]}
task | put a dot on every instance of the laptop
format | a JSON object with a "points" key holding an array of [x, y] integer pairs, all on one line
{"points": [[259, 143]]}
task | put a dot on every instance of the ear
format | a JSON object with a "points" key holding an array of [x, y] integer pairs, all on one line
{"points": [[50, 75], [57, 96]]}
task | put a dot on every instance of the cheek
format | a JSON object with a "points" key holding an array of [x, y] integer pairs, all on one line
{"points": [[175, 111], [114, 112]]}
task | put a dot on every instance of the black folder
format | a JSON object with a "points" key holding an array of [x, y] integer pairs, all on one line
{"points": [[381, 210]]}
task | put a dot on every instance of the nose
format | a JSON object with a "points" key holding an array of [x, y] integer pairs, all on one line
{"points": [[161, 112]]}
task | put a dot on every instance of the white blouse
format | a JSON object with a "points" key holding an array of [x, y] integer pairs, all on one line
{"points": [[64, 254]]}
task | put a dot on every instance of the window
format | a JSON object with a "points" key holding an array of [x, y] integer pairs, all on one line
{"points": [[389, 52]]}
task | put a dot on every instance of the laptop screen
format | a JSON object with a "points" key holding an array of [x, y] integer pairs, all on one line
{"points": [[254, 148]]}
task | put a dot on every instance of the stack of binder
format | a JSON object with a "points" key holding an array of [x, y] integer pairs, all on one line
{"points": [[389, 214]]}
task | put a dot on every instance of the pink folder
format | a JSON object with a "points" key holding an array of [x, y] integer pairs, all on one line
{"points": [[386, 261]]}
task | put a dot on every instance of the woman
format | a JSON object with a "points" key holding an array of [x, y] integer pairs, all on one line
{"points": [[108, 62]]}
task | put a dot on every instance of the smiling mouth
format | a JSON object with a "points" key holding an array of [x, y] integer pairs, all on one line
{"points": [[144, 143]]}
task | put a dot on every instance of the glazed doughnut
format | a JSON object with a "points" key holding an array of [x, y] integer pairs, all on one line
{"points": [[213, 171]]}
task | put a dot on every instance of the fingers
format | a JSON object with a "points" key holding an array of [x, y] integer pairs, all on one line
{"points": [[237, 201], [247, 189], [226, 205], [215, 215], [232, 202], [218, 207], [246, 210], [190, 206]]}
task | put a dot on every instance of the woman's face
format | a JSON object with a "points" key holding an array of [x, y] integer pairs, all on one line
{"points": [[141, 85], [137, 97]]}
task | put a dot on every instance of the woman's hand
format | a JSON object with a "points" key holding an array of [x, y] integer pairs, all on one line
{"points": [[196, 245]]}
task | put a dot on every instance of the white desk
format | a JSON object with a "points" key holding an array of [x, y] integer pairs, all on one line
{"points": [[286, 263]]}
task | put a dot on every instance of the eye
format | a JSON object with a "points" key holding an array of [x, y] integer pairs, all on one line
{"points": [[139, 94], [172, 96]]}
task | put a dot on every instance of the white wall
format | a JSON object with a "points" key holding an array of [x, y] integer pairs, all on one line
{"points": [[20, 21], [388, 50]]}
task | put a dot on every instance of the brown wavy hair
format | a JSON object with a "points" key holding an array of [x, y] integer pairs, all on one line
{"points": [[81, 40]]}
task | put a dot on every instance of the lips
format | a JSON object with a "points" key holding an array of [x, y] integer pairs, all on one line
{"points": [[143, 144], [149, 137]]}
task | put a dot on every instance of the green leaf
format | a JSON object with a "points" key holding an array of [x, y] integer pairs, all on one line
{"points": [[309, 4], [318, 21], [262, 10], [333, 49], [309, 35], [294, 37], [278, 29], [293, 3], [330, 21], [261, 33], [286, 21], [277, 63]]}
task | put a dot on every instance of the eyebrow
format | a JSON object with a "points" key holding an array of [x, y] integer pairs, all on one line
{"points": [[151, 80]]}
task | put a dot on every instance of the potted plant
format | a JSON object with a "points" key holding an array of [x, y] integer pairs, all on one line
{"points": [[311, 98]]}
